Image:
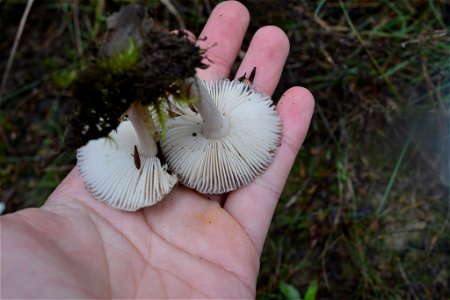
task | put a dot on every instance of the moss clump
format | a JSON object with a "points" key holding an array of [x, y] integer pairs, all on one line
{"points": [[122, 62], [139, 60]]}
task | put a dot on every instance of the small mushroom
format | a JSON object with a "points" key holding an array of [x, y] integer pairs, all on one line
{"points": [[123, 170], [231, 140]]}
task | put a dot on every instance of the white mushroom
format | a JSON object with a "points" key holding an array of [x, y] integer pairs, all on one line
{"points": [[123, 170], [231, 140]]}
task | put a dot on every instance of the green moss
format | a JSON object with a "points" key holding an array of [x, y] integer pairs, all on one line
{"points": [[64, 78], [122, 62]]}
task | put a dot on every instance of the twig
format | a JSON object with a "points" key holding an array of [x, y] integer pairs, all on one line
{"points": [[174, 11], [99, 9], [440, 34], [76, 22], [207, 6], [297, 194], [407, 281], [23, 20]]}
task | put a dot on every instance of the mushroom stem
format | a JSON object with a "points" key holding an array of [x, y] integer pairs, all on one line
{"points": [[215, 124], [143, 125]]}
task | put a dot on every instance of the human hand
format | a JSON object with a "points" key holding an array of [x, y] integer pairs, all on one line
{"points": [[184, 247]]}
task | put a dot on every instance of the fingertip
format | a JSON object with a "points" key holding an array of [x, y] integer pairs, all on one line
{"points": [[277, 37], [296, 101], [222, 38], [297, 95], [267, 52], [228, 15], [234, 7]]}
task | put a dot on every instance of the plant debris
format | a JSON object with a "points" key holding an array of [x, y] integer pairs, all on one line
{"points": [[139, 60]]}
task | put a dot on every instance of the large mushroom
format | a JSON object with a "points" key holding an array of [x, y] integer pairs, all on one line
{"points": [[123, 170], [229, 140]]}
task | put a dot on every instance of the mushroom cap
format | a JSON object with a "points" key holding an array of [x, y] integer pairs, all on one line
{"points": [[108, 170], [215, 166]]}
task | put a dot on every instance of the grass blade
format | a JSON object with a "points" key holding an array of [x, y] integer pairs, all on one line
{"points": [[374, 62], [393, 176]]}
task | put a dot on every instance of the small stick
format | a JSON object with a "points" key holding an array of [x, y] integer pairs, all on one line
{"points": [[23, 20], [168, 4]]}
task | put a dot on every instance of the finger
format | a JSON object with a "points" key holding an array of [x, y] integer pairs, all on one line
{"points": [[253, 206], [222, 37], [267, 52]]}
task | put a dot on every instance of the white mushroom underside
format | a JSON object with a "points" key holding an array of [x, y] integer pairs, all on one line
{"points": [[220, 165], [109, 172]]}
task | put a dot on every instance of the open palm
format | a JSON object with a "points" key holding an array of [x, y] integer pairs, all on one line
{"points": [[187, 246]]}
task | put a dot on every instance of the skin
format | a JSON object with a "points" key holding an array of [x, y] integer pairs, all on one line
{"points": [[187, 246]]}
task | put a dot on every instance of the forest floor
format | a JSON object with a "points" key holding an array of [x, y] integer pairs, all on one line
{"points": [[365, 213]]}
